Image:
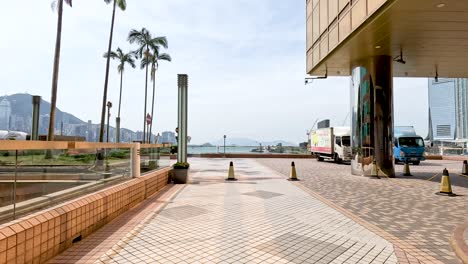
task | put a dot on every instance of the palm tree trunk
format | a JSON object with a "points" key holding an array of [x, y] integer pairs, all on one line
{"points": [[53, 100], [120, 102], [120, 96], [146, 98], [106, 81], [152, 107]]}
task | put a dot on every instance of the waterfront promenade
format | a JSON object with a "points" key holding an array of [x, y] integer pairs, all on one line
{"points": [[261, 218]]}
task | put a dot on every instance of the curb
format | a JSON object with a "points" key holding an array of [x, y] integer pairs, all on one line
{"points": [[458, 243]]}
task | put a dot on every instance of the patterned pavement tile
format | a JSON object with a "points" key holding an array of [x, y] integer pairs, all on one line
{"points": [[286, 225], [405, 207]]}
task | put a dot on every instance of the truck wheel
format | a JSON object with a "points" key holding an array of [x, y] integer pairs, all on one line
{"points": [[416, 162], [337, 159], [319, 158]]}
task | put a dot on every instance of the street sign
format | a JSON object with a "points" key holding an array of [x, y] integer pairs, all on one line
{"points": [[149, 119]]}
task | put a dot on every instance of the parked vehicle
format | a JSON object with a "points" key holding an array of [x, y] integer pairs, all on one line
{"points": [[331, 143], [408, 146]]}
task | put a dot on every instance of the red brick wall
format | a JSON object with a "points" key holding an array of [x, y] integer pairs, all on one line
{"points": [[43, 235]]}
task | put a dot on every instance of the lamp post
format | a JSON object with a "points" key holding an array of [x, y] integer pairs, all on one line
{"points": [[109, 106], [224, 145]]}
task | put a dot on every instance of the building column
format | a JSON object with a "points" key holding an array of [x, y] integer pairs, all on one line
{"points": [[182, 82], [372, 116]]}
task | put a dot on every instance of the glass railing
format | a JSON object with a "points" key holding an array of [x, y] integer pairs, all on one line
{"points": [[154, 157], [246, 150], [35, 175]]}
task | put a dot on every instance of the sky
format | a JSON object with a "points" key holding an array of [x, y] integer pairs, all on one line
{"points": [[245, 61]]}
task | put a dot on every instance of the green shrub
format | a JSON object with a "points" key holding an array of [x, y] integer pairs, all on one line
{"points": [[181, 165]]}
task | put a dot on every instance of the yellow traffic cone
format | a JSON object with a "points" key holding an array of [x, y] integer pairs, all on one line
{"points": [[374, 171], [293, 174], [465, 168], [231, 176], [406, 170], [445, 186]]}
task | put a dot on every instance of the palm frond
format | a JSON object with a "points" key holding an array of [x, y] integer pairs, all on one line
{"points": [[160, 41], [131, 61], [134, 36], [53, 4], [165, 56], [112, 55], [108, 1], [122, 4]]}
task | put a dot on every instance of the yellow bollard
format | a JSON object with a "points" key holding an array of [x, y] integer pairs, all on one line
{"points": [[293, 174], [231, 176], [445, 186], [406, 170], [465, 168]]}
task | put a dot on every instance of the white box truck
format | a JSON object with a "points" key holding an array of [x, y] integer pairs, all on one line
{"points": [[331, 143]]}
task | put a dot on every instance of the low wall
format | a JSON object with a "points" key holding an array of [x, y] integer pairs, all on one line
{"points": [[43, 235], [253, 156]]}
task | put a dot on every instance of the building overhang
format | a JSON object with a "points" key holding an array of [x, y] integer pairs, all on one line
{"points": [[431, 36]]}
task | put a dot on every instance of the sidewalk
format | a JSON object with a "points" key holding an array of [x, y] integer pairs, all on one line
{"points": [[262, 218]]}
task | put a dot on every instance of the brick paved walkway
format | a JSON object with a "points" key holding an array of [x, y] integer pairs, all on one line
{"points": [[262, 218], [405, 207]]}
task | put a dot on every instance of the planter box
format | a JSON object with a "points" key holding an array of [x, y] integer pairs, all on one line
{"points": [[180, 176]]}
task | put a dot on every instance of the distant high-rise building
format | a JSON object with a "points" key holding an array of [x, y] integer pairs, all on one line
{"points": [[448, 106], [167, 137], [5, 114]]}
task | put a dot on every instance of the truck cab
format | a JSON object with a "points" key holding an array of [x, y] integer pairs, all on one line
{"points": [[408, 147]]}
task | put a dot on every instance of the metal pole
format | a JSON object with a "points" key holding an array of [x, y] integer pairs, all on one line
{"points": [[117, 125], [109, 105], [36, 101], [107, 129], [182, 81], [14, 184], [224, 145]]}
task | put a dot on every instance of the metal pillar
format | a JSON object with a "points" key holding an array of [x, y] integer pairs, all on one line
{"points": [[182, 82], [36, 101], [117, 125], [372, 116]]}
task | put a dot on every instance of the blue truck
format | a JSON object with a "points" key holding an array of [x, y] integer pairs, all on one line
{"points": [[408, 147]]}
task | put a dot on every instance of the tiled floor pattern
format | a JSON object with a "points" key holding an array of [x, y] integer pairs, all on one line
{"points": [[94, 246], [268, 220], [405, 207]]}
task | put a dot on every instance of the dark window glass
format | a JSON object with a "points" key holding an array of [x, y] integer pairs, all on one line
{"points": [[411, 142]]}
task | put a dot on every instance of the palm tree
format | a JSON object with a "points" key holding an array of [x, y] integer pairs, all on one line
{"points": [[154, 61], [146, 43], [122, 5], [55, 75], [124, 58]]}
